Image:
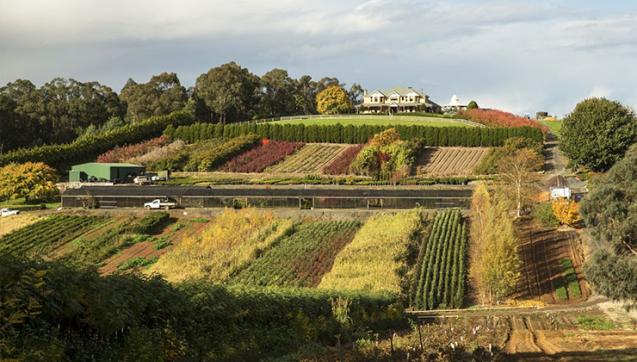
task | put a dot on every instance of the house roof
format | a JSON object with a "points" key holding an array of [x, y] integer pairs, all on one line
{"points": [[403, 91], [455, 101]]}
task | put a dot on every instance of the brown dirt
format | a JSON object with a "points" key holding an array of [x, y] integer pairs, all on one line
{"points": [[11, 223], [449, 161], [542, 250], [146, 249]]}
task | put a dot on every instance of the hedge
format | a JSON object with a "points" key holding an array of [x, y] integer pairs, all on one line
{"points": [[433, 136], [61, 156]]}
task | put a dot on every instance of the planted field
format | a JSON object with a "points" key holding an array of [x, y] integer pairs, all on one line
{"points": [[44, 235], [9, 224], [310, 159], [378, 121], [301, 259], [227, 244], [340, 165], [440, 270], [259, 158], [449, 161], [371, 262]]}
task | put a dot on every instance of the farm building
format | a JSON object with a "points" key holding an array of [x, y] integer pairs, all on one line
{"points": [[107, 172]]}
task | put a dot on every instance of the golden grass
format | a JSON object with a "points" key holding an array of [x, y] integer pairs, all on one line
{"points": [[369, 262], [231, 241], [11, 223]]}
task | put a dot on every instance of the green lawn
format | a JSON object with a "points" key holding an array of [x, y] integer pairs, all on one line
{"points": [[379, 121], [554, 126], [20, 203]]}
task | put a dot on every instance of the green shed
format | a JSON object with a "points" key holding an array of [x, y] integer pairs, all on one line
{"points": [[111, 172]]}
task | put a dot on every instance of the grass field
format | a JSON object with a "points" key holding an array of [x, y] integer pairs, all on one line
{"points": [[379, 121], [554, 126]]}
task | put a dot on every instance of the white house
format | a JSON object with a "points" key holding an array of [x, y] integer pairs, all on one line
{"points": [[397, 100]]}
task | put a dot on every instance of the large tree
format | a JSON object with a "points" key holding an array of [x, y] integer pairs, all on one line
{"points": [[610, 211], [278, 94], [597, 133], [518, 173], [305, 96], [333, 100], [229, 91], [31, 180], [162, 95]]}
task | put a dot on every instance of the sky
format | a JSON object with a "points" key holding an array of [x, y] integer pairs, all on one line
{"points": [[519, 56]]}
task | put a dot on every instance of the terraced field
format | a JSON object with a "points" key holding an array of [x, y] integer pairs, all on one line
{"points": [[301, 259], [310, 159], [449, 161], [43, 236]]}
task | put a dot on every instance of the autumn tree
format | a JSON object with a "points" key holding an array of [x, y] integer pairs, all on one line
{"points": [[517, 171], [31, 180], [333, 100], [495, 261], [161, 95], [229, 91], [566, 211]]}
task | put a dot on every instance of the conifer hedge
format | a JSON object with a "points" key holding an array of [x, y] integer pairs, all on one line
{"points": [[433, 136]]}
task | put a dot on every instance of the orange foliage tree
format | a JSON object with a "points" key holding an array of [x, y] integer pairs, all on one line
{"points": [[30, 180], [566, 211], [333, 100]]}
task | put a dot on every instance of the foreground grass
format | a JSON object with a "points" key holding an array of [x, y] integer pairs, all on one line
{"points": [[371, 261], [379, 121]]}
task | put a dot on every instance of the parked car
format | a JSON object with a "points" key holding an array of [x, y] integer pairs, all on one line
{"points": [[8, 212], [142, 180], [160, 204]]}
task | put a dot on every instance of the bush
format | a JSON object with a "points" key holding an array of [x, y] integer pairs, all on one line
{"points": [[385, 157], [566, 211], [261, 157], [496, 118], [561, 294], [126, 153], [149, 223], [341, 164], [210, 154], [543, 213]]}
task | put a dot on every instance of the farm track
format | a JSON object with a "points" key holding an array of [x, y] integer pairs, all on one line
{"points": [[310, 159], [449, 161]]}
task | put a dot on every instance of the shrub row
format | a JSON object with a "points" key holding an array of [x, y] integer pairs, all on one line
{"points": [[496, 118], [149, 223], [77, 316], [440, 281], [86, 149], [209, 155], [432, 136], [340, 165], [262, 156], [125, 153]]}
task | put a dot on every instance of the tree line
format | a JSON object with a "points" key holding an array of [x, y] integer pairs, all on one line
{"points": [[62, 110]]}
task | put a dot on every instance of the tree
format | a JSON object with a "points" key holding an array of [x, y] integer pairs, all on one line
{"points": [[566, 211], [162, 95], [517, 171], [472, 105], [597, 133], [333, 100], [610, 213], [356, 94], [30, 180], [495, 261], [278, 91], [229, 91], [305, 95]]}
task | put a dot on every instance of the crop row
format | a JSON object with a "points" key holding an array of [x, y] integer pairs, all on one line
{"points": [[259, 158], [311, 159], [450, 161], [47, 233], [125, 153], [301, 259], [340, 165], [440, 276]]}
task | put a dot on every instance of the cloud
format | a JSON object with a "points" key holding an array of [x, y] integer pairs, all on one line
{"points": [[522, 56]]}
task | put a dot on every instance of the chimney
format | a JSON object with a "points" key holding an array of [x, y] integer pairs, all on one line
{"points": [[364, 92]]}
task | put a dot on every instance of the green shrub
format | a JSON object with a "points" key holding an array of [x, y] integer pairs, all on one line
{"points": [[595, 322], [149, 223], [543, 213], [561, 293], [138, 262]]}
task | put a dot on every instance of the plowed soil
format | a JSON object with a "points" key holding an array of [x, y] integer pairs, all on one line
{"points": [[449, 161], [542, 250]]}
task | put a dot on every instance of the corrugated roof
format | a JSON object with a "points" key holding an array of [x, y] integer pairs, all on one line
{"points": [[402, 91], [109, 164]]}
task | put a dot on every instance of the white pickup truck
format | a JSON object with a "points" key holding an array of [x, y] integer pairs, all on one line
{"points": [[8, 212], [160, 204]]}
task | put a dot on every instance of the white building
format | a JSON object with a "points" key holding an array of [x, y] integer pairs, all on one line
{"points": [[454, 105], [397, 100]]}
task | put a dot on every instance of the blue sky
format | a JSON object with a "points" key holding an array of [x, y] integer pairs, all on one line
{"points": [[521, 56]]}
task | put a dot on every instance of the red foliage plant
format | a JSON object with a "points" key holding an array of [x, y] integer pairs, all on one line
{"points": [[120, 154], [259, 158], [496, 118], [340, 165]]}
